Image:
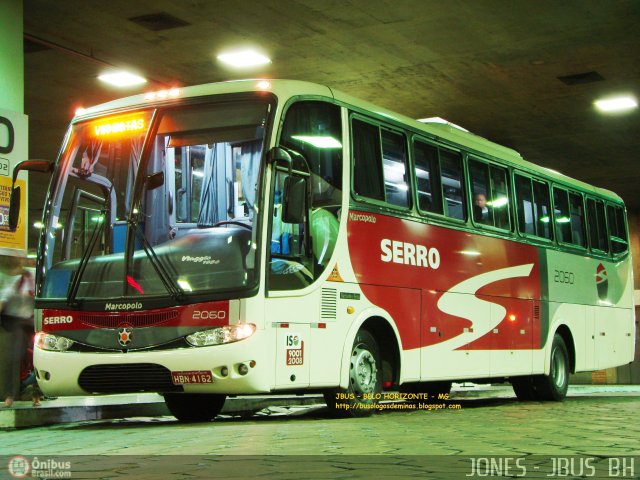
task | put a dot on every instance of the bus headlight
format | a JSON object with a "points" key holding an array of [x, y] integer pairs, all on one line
{"points": [[54, 343], [221, 335]]}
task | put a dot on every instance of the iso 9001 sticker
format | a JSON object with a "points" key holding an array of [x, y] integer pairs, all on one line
{"points": [[191, 377]]}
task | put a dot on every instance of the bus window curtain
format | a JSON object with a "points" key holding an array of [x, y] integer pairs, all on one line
{"points": [[134, 156], [249, 163], [90, 157], [208, 214]]}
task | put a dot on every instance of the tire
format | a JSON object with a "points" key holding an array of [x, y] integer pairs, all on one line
{"points": [[193, 407], [524, 388], [365, 380], [554, 386], [427, 390]]}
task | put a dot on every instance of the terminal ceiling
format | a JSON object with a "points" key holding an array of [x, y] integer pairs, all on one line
{"points": [[521, 73]]}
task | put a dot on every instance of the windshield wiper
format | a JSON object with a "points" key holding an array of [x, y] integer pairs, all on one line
{"points": [[172, 287], [84, 260]]}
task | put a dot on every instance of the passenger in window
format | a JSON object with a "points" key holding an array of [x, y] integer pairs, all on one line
{"points": [[481, 212]]}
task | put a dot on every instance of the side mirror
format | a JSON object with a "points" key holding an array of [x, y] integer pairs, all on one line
{"points": [[42, 166], [155, 180], [280, 155], [294, 199], [14, 208]]}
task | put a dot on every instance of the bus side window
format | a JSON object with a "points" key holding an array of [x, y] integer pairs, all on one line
{"points": [[578, 232], [427, 177], [562, 215], [542, 209], [452, 182], [597, 225], [367, 168], [394, 158], [482, 212], [500, 197], [617, 229], [524, 205], [490, 200]]}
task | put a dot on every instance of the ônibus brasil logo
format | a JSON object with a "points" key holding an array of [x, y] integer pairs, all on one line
{"points": [[19, 467], [602, 282]]}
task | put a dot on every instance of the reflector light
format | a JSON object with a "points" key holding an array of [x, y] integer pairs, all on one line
{"points": [[512, 317]]}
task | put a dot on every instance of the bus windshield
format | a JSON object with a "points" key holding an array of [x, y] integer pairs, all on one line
{"points": [[144, 208]]}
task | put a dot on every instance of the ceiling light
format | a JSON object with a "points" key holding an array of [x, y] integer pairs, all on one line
{"points": [[244, 58], [616, 104], [122, 79]]}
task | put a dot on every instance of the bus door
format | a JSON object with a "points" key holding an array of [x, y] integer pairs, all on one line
{"points": [[288, 312]]}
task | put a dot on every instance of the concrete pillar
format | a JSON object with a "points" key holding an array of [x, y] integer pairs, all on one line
{"points": [[11, 56], [13, 148]]}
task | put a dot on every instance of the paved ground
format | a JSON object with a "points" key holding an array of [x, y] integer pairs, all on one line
{"points": [[589, 423]]}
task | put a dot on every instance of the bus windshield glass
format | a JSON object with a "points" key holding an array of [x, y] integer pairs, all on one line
{"points": [[161, 208]]}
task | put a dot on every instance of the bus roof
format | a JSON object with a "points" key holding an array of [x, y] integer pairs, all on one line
{"points": [[284, 89]]}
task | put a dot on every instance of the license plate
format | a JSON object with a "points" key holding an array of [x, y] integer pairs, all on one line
{"points": [[191, 377]]}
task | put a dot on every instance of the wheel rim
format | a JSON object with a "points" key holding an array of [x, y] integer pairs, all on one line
{"points": [[364, 372], [558, 369]]}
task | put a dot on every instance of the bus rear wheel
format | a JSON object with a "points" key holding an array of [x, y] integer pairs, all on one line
{"points": [[194, 407], [365, 380], [524, 388], [555, 385]]}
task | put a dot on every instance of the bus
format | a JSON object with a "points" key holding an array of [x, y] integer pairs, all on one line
{"points": [[278, 236]]}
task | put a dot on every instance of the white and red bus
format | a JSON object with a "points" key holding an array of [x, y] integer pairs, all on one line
{"points": [[258, 237]]}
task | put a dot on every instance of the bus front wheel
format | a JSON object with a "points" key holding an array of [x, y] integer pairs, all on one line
{"points": [[193, 407], [365, 380], [554, 386]]}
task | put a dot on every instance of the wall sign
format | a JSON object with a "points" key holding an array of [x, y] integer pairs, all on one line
{"points": [[13, 150]]}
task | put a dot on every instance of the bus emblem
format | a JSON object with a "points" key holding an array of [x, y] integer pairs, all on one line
{"points": [[602, 282], [124, 336]]}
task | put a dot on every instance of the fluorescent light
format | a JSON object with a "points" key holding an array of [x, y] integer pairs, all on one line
{"points": [[319, 141], [616, 104], [122, 79], [243, 58]]}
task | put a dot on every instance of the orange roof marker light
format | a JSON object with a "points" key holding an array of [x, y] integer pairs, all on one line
{"points": [[162, 94], [263, 85]]}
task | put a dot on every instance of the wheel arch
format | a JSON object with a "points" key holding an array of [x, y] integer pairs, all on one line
{"points": [[565, 332], [387, 337]]}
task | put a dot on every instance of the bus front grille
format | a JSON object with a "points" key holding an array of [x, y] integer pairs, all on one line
{"points": [[134, 319], [127, 378]]}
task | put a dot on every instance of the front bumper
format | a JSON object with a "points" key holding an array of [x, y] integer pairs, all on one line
{"points": [[61, 373]]}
